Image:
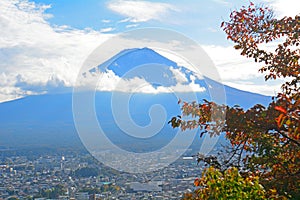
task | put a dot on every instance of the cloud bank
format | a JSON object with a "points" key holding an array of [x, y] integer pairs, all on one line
{"points": [[109, 81], [36, 56], [285, 7]]}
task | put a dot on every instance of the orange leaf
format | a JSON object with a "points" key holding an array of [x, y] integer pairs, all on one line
{"points": [[196, 182], [281, 109], [279, 120]]}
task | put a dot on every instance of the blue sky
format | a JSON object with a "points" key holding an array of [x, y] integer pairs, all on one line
{"points": [[43, 43], [199, 20]]}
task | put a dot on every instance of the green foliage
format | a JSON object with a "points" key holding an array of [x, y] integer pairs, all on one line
{"points": [[13, 198], [227, 185], [86, 172], [54, 192]]}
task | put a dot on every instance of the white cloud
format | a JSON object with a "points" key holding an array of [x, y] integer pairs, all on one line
{"points": [[141, 11], [212, 30], [109, 81], [124, 20], [285, 7], [178, 60], [178, 75], [105, 30], [105, 21], [37, 57], [265, 88], [223, 2], [240, 72], [35, 54], [234, 69], [132, 25], [8, 93], [231, 65]]}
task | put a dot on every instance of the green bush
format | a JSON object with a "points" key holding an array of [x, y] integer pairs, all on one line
{"points": [[215, 184]]}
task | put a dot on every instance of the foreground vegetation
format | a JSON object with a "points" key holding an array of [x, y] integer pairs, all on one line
{"points": [[264, 157]]}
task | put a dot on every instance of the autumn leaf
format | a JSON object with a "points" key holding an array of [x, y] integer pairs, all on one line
{"points": [[196, 182], [281, 109]]}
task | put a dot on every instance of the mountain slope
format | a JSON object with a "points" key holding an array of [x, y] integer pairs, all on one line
{"points": [[47, 120]]}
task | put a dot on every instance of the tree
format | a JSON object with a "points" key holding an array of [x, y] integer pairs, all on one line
{"points": [[53, 193], [86, 172], [227, 185], [13, 198], [264, 140]]}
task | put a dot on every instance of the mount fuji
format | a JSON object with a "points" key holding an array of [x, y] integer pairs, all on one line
{"points": [[47, 120]]}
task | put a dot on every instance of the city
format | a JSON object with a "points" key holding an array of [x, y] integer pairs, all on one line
{"points": [[79, 176]]}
